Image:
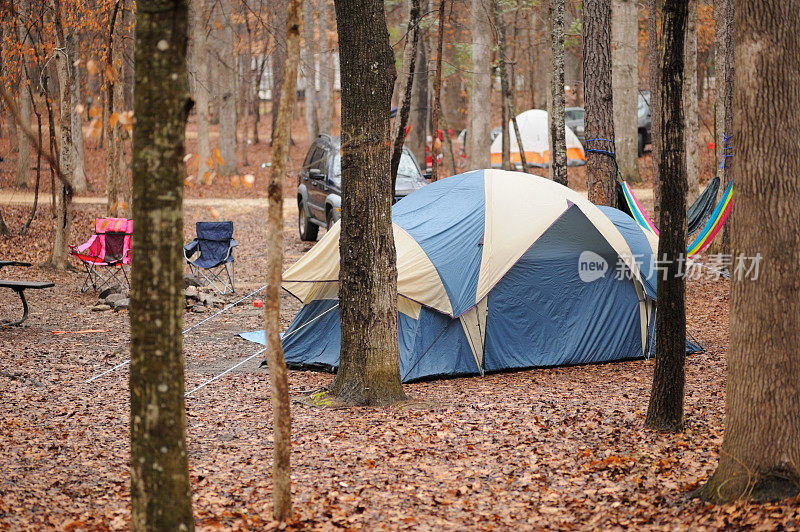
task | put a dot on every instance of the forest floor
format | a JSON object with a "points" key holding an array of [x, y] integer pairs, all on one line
{"points": [[555, 448]]}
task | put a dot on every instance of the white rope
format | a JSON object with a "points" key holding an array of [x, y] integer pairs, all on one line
{"points": [[289, 335], [123, 364]]}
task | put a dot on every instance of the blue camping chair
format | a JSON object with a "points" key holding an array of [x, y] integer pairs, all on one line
{"points": [[215, 244]]}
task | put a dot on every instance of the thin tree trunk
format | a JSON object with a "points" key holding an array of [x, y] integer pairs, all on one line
{"points": [[558, 141], [416, 139], [281, 467], [325, 69], [79, 178], [38, 168], [112, 141], [505, 141], [478, 134], [58, 258], [24, 146], [691, 118], [665, 411], [437, 96], [625, 80], [760, 455], [160, 491], [600, 167], [201, 91], [308, 66], [653, 48], [278, 58], [725, 27], [404, 88], [369, 367], [227, 109]]}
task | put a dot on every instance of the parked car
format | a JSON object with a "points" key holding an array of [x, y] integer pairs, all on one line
{"points": [[575, 120], [644, 123], [573, 117], [319, 185]]}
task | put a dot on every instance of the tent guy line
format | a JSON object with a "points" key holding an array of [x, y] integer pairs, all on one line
{"points": [[188, 329]]}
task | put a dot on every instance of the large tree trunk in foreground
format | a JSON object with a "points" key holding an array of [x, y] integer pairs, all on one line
{"points": [[665, 411], [558, 143], [160, 494], [760, 456], [281, 468], [369, 367], [691, 115], [201, 85], [625, 80], [600, 168], [478, 134]]}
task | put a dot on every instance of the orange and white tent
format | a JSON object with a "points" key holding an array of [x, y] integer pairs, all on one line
{"points": [[533, 127]]}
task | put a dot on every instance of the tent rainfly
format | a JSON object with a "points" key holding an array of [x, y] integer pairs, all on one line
{"points": [[496, 270], [535, 132]]}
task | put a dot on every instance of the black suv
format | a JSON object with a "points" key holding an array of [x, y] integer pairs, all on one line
{"points": [[319, 185]]}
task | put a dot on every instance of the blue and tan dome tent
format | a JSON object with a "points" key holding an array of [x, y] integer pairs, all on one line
{"points": [[496, 270]]}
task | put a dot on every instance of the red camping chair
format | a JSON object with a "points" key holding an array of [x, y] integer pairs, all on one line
{"points": [[106, 253]]}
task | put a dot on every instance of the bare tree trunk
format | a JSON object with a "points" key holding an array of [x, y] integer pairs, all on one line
{"points": [[665, 411], [79, 179], [325, 69], [112, 140], [121, 135], [24, 146], [625, 80], [725, 72], [558, 142], [278, 58], [600, 167], [478, 134], [416, 139], [369, 367], [691, 120], [201, 88], [404, 88], [760, 455], [437, 94], [160, 492], [227, 109], [500, 29], [63, 58], [281, 467], [655, 104], [309, 68]]}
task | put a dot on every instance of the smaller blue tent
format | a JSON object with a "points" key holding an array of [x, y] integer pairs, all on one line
{"points": [[496, 271]]}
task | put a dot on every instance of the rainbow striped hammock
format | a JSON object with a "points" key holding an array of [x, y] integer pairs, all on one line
{"points": [[706, 234]]}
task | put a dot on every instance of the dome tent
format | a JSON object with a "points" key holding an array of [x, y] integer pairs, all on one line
{"points": [[535, 132], [491, 277]]}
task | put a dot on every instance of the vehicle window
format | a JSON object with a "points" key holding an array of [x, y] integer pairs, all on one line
{"points": [[318, 159], [407, 166], [308, 159]]}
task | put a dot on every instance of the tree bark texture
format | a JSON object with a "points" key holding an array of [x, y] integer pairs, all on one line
{"points": [[625, 81], [63, 221], [760, 456], [325, 69], [24, 145], [278, 58], [79, 179], [227, 94], [282, 421], [665, 411], [437, 97], [369, 368], [309, 68], [600, 168], [558, 142], [404, 88], [690, 105], [160, 494], [201, 88], [653, 54], [725, 73], [478, 134], [416, 139], [500, 29]]}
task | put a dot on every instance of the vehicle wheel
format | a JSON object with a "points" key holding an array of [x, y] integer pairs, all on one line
{"points": [[329, 221], [641, 144], [308, 230]]}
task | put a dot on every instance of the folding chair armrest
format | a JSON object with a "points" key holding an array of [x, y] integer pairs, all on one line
{"points": [[233, 243], [190, 249]]}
